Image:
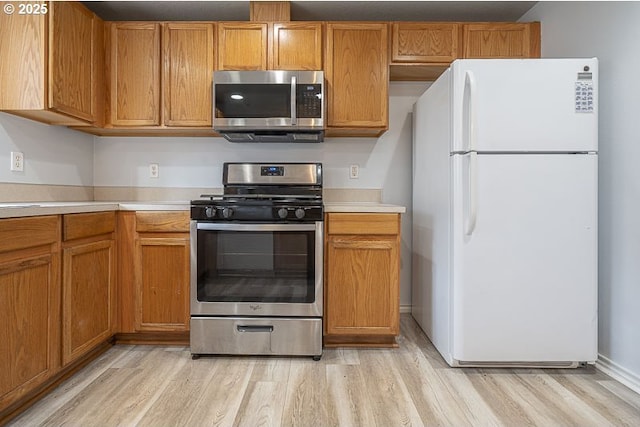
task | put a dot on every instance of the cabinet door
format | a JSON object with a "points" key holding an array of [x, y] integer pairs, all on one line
{"points": [[71, 59], [362, 285], [29, 319], [52, 64], [502, 40], [423, 42], [296, 46], [134, 65], [22, 64], [357, 75], [242, 46], [188, 70], [29, 304], [162, 302], [88, 297]]}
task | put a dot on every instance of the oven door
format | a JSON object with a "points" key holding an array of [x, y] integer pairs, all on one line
{"points": [[240, 269]]}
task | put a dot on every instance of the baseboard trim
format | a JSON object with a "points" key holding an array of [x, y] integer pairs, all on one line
{"points": [[618, 373], [405, 308], [179, 338]]}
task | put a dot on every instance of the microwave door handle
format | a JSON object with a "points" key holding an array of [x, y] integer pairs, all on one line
{"points": [[294, 119]]}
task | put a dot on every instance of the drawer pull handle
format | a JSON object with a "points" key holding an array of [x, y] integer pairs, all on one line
{"points": [[254, 328]]}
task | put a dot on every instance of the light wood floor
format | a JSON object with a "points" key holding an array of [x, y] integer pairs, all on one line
{"points": [[411, 385]]}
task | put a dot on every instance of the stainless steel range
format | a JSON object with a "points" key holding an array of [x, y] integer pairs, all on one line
{"points": [[257, 262]]}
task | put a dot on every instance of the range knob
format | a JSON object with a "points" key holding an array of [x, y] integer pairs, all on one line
{"points": [[227, 213], [299, 213], [282, 213], [210, 211]]}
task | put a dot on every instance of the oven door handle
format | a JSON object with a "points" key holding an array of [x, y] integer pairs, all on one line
{"points": [[254, 227]]}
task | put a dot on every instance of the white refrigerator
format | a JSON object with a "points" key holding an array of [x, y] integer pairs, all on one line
{"points": [[505, 175]]}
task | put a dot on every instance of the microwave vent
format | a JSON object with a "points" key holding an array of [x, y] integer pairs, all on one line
{"points": [[274, 136]]}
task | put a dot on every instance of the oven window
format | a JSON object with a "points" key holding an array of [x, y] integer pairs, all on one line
{"points": [[260, 266]]}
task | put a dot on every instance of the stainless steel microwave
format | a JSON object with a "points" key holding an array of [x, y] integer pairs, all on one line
{"points": [[269, 106]]}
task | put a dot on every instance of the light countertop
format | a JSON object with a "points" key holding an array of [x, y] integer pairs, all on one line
{"points": [[23, 209], [363, 207], [154, 206]]}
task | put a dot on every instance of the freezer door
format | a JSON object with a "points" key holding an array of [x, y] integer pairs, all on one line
{"points": [[516, 105], [524, 258]]}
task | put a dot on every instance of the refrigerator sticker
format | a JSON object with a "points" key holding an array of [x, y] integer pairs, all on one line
{"points": [[584, 97]]}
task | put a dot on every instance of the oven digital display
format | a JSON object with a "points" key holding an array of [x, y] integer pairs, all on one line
{"points": [[272, 171]]}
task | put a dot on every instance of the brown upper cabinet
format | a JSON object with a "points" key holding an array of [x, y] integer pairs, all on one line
{"points": [[159, 74], [423, 50], [356, 71], [501, 40], [424, 42], [188, 52], [242, 46], [269, 11], [134, 74], [51, 64], [150, 61], [270, 46], [296, 46]]}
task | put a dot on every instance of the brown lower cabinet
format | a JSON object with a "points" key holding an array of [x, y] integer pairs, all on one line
{"points": [[63, 298], [29, 305], [88, 282], [154, 275], [362, 276]]}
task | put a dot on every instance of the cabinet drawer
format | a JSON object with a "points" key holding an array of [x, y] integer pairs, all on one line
{"points": [[162, 221], [77, 226], [40, 230], [363, 223]]}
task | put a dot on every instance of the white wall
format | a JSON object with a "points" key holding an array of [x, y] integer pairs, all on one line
{"points": [[197, 162], [610, 31], [53, 155], [384, 162]]}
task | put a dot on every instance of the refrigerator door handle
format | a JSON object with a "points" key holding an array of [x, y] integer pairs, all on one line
{"points": [[470, 94], [472, 194]]}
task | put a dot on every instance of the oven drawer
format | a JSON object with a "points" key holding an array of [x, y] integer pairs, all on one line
{"points": [[256, 336]]}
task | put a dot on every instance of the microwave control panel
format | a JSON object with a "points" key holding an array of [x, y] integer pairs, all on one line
{"points": [[309, 101]]}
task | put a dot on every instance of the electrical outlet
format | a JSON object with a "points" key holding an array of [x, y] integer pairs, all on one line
{"points": [[154, 170], [17, 161], [354, 170]]}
